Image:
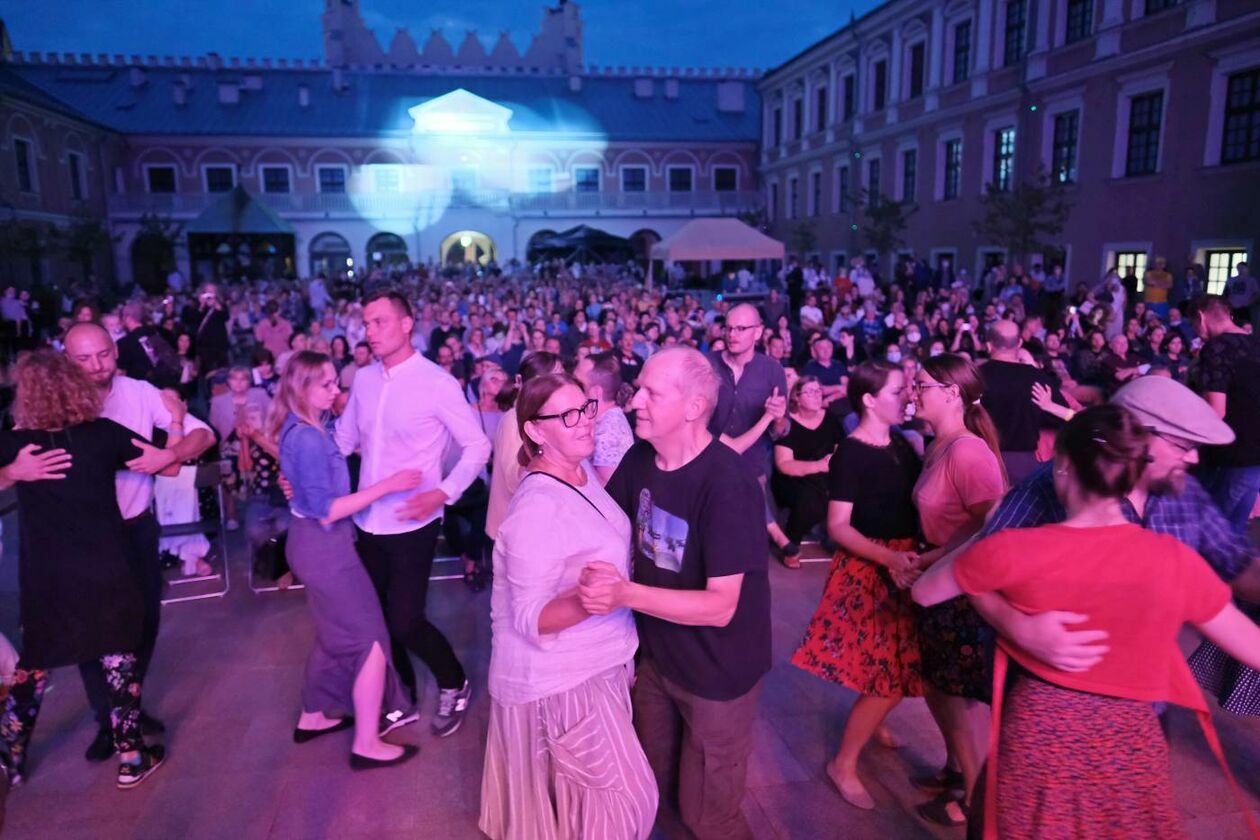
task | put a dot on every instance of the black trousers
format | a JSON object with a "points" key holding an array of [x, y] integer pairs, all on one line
{"points": [[146, 566], [399, 566]]}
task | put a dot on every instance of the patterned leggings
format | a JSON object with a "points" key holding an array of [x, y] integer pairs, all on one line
{"points": [[21, 709]]}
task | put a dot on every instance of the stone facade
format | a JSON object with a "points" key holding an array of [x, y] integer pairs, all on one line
{"points": [[1137, 90]]}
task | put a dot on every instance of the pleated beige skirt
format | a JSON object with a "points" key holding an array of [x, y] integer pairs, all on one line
{"points": [[568, 767]]}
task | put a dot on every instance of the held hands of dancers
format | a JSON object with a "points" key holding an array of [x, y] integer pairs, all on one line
{"points": [[402, 480], [601, 588], [904, 567]]}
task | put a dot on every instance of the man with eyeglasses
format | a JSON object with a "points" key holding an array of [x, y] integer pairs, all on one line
{"points": [[752, 403]]}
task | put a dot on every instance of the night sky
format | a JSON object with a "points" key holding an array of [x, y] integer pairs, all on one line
{"points": [[698, 33]]}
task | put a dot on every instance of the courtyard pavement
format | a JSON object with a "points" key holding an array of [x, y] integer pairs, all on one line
{"points": [[226, 681]]}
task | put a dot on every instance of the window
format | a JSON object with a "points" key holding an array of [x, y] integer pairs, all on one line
{"points": [[275, 179], [815, 193], [161, 179], [793, 197], [842, 189], [219, 179], [74, 163], [634, 179], [1015, 34], [1080, 20], [386, 179], [680, 179], [773, 210], [586, 179], [540, 179], [872, 180], [1131, 262], [332, 179], [1222, 265], [918, 64], [1143, 149], [1063, 148], [725, 178], [880, 96], [778, 127], [962, 52], [1155, 6], [464, 179], [1003, 158], [1241, 139], [22, 156], [820, 109], [798, 118], [909, 173], [850, 97], [953, 168]]}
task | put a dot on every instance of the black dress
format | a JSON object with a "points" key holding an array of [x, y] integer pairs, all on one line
{"points": [[79, 599], [805, 496]]}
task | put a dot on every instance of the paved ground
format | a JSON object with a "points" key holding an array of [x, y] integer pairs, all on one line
{"points": [[226, 680]]}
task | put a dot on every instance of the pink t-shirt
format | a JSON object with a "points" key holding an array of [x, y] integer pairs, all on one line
{"points": [[965, 474]]}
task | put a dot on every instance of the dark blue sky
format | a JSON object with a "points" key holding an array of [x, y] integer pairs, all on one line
{"points": [[735, 33]]}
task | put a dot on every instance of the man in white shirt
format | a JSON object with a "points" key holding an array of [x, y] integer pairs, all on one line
{"points": [[403, 412], [142, 408]]}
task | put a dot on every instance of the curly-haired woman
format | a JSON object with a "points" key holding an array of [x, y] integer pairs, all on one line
{"points": [[79, 600]]}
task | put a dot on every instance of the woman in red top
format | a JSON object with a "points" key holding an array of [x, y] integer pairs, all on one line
{"points": [[1081, 755]]}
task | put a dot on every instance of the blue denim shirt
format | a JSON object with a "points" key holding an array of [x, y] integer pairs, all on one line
{"points": [[310, 460]]}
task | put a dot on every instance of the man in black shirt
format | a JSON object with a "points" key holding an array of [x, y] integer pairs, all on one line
{"points": [[1229, 367], [147, 351], [1008, 385], [700, 589]]}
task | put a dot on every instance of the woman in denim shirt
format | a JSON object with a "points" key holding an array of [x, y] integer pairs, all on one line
{"points": [[347, 671]]}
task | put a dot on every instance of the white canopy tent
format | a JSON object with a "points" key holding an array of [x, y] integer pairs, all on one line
{"points": [[723, 238]]}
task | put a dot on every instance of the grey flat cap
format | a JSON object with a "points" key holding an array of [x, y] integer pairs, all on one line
{"points": [[1170, 408]]}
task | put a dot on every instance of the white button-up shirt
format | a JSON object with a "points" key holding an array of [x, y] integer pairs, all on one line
{"points": [[138, 406], [405, 418]]}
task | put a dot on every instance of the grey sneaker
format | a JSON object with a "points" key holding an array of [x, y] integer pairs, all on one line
{"points": [[397, 719], [130, 775], [452, 706]]}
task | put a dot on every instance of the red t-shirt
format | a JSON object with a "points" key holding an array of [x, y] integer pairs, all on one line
{"points": [[1137, 585]]}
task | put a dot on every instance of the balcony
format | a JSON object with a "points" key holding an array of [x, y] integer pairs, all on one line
{"points": [[368, 205]]}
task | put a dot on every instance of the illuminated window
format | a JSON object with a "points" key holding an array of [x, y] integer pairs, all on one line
{"points": [[1003, 158], [1222, 265], [1063, 153], [541, 179], [387, 179], [1131, 263]]}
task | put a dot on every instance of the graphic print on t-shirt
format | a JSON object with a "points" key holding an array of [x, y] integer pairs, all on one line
{"points": [[661, 536]]}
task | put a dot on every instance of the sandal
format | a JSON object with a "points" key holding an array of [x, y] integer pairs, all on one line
{"points": [[938, 811]]}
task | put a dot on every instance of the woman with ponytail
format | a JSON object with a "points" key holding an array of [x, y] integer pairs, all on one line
{"points": [[962, 480]]}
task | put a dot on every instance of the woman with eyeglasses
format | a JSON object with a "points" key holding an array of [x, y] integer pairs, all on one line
{"points": [[802, 459], [862, 635], [562, 758], [1081, 754], [962, 480]]}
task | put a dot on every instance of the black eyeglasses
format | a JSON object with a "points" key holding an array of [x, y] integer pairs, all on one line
{"points": [[571, 417]]}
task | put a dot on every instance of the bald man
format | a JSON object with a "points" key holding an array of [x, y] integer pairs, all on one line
{"points": [[1008, 385], [142, 408]]}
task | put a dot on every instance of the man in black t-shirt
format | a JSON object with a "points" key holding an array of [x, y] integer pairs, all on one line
{"points": [[1008, 385], [1229, 370], [700, 590]]}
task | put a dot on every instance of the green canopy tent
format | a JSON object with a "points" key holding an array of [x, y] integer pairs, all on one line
{"points": [[237, 236]]}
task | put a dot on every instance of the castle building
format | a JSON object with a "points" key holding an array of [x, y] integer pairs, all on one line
{"points": [[1146, 111], [370, 154]]}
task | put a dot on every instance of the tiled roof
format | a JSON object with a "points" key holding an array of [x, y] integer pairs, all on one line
{"points": [[375, 103]]}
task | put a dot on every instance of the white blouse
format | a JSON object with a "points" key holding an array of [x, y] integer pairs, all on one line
{"points": [[549, 535]]}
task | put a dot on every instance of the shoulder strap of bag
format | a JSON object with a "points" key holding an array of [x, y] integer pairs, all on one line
{"points": [[594, 506]]}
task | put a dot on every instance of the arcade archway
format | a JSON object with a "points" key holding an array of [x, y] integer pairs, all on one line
{"points": [[467, 246], [387, 249], [330, 255]]}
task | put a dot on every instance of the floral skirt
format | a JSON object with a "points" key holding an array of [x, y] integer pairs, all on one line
{"points": [[957, 649], [863, 635]]}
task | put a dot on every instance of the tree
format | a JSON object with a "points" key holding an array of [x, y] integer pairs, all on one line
{"points": [[84, 237], [1026, 219], [804, 239], [29, 239], [883, 225], [153, 251]]}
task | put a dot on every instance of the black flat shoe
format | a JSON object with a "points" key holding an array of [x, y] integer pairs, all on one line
{"points": [[362, 762], [938, 811], [301, 736]]}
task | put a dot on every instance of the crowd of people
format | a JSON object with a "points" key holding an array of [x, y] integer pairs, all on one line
{"points": [[1027, 489]]}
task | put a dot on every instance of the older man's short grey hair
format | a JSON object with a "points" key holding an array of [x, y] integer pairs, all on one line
{"points": [[695, 376]]}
